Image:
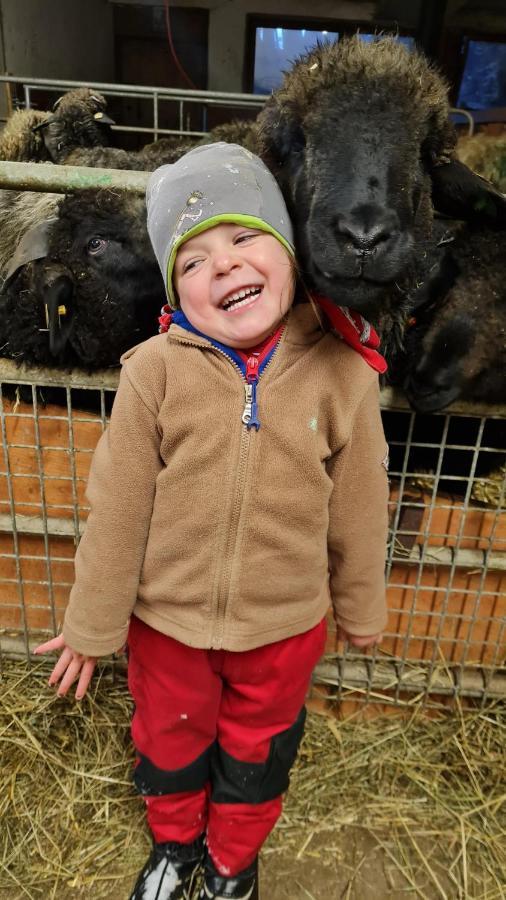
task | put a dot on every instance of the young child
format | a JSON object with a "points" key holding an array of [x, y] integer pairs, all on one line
{"points": [[242, 475]]}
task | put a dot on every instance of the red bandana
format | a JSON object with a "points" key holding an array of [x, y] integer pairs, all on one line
{"points": [[355, 331]]}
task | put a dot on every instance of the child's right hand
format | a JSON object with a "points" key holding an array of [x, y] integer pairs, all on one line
{"points": [[70, 666]]}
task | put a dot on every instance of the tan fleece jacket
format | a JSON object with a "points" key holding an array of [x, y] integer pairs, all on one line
{"points": [[223, 537]]}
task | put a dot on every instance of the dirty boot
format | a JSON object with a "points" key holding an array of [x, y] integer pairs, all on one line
{"points": [[170, 872], [242, 886]]}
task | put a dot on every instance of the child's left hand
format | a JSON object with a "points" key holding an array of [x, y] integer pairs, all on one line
{"points": [[360, 640]]}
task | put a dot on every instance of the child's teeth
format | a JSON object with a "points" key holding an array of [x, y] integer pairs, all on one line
{"points": [[240, 298], [235, 299]]}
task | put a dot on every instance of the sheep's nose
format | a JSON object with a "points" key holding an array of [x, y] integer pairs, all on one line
{"points": [[367, 228]]}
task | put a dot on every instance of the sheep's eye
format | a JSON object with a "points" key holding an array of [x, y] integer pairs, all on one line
{"points": [[96, 245]]}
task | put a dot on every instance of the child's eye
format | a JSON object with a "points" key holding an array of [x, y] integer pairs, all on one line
{"points": [[245, 237], [188, 266]]}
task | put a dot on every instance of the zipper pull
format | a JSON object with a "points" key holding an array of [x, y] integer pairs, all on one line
{"points": [[250, 412], [252, 369], [253, 422], [246, 416]]}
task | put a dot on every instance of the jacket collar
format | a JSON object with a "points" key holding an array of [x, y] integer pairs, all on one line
{"points": [[302, 328]]}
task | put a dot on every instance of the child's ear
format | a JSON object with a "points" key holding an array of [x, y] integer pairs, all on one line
{"points": [[460, 193]]}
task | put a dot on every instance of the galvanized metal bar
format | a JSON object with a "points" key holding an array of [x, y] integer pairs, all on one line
{"points": [[45, 376], [108, 379], [155, 115], [42, 489], [394, 399], [15, 537], [162, 132], [457, 111], [447, 681], [73, 472], [49, 178], [134, 89]]}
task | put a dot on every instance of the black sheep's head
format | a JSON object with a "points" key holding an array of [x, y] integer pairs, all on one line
{"points": [[79, 119], [101, 239], [356, 136], [96, 292]]}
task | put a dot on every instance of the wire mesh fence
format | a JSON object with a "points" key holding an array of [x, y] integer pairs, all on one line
{"points": [[446, 564]]}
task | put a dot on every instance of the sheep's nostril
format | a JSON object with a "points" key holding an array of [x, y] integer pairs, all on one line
{"points": [[366, 228]]}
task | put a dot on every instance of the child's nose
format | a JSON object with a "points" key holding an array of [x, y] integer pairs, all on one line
{"points": [[225, 262]]}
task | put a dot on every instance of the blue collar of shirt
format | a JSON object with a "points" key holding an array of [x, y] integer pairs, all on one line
{"points": [[179, 318]]}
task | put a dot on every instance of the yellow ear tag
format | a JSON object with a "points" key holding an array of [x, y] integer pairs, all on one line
{"points": [[62, 311]]}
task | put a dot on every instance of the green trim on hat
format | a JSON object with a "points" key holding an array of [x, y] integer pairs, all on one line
{"points": [[234, 219]]}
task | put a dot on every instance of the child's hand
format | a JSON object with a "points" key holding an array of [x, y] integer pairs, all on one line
{"points": [[70, 666], [360, 640]]}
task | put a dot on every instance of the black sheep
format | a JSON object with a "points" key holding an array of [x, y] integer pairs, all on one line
{"points": [[358, 137], [457, 346], [95, 293]]}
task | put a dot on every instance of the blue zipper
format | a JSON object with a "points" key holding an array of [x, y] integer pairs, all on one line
{"points": [[249, 371]]}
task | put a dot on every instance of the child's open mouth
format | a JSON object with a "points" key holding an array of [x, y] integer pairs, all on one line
{"points": [[244, 297]]}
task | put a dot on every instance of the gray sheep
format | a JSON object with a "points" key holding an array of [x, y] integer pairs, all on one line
{"points": [[78, 119], [148, 158]]}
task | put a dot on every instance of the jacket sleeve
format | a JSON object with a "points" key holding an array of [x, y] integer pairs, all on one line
{"points": [[109, 559], [358, 522]]}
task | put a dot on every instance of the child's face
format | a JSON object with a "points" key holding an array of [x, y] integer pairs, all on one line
{"points": [[213, 267]]}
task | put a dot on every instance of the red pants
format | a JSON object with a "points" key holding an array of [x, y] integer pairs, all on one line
{"points": [[216, 733]]}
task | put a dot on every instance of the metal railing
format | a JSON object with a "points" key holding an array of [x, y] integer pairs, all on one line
{"points": [[180, 100]]}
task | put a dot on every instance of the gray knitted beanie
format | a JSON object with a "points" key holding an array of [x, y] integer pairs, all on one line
{"points": [[209, 185]]}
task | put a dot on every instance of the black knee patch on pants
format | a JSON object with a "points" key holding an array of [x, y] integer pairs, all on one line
{"points": [[240, 782], [152, 781]]}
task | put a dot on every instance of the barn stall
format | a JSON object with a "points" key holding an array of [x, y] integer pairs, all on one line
{"points": [[442, 655]]}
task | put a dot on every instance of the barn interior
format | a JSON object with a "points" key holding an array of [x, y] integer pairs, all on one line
{"points": [[400, 786]]}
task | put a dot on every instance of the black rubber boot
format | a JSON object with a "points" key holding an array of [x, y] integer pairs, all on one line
{"points": [[170, 872], [243, 886]]}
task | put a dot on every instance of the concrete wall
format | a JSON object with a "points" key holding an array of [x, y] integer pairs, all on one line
{"points": [[58, 39], [227, 28]]}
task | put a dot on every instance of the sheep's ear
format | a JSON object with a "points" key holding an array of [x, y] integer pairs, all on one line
{"points": [[44, 124], [460, 193], [33, 245], [280, 135]]}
